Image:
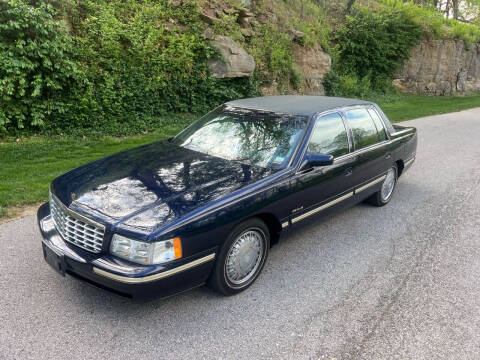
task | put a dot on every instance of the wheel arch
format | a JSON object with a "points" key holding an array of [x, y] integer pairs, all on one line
{"points": [[400, 166], [273, 224]]}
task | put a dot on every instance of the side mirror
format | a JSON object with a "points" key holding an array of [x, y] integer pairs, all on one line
{"points": [[315, 160]]}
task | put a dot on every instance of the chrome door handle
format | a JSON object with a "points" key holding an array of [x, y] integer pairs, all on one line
{"points": [[388, 156], [348, 171]]}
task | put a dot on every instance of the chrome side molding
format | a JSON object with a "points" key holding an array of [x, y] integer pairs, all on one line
{"points": [[370, 184], [335, 201], [323, 207], [162, 275], [409, 162]]}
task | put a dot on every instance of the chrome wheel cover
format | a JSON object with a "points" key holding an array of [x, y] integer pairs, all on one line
{"points": [[245, 256], [388, 185]]}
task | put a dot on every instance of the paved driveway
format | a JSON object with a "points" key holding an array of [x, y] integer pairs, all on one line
{"points": [[398, 282]]}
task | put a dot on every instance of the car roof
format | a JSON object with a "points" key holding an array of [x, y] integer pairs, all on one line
{"points": [[296, 104]]}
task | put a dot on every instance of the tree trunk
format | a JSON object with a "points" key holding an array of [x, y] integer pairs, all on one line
{"points": [[455, 9], [349, 5], [447, 9]]}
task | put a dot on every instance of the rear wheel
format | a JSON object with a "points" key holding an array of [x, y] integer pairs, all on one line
{"points": [[241, 258], [382, 197]]}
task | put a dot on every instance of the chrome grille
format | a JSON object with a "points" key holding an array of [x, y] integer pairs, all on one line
{"points": [[76, 229]]}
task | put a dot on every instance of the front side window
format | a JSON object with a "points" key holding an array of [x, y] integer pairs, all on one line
{"points": [[363, 128], [252, 137], [329, 136]]}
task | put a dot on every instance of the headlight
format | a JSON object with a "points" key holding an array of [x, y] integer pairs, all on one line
{"points": [[146, 253]]}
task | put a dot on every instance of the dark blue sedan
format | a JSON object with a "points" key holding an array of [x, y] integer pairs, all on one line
{"points": [[206, 205]]}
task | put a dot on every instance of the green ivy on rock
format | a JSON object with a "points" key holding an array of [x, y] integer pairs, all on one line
{"points": [[120, 65]]}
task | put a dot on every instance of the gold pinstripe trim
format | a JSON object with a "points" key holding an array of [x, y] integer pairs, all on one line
{"points": [[323, 207], [407, 163], [371, 183]]}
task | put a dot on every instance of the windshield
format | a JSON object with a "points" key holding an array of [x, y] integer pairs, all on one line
{"points": [[252, 137]]}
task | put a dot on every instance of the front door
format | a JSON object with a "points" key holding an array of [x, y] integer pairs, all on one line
{"points": [[318, 186]]}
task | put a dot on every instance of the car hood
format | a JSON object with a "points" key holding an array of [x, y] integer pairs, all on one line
{"points": [[151, 186]]}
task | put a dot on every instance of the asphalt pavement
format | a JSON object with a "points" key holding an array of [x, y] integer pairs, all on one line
{"points": [[398, 282]]}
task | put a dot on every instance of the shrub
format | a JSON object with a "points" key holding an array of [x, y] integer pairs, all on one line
{"points": [[347, 85], [145, 59], [433, 22], [121, 65], [273, 55], [375, 42], [370, 47], [37, 64]]}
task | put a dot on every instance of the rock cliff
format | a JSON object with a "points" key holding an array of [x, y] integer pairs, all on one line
{"points": [[441, 67], [233, 60]]}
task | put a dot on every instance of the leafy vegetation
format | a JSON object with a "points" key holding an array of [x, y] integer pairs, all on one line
{"points": [[274, 57], [121, 66], [308, 16], [435, 23], [36, 65], [371, 45]]}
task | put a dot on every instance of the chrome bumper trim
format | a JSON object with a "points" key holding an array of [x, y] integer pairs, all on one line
{"points": [[162, 275], [323, 207], [371, 183], [56, 243]]}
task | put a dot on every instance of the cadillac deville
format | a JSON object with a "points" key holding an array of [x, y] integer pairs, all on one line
{"points": [[206, 205]]}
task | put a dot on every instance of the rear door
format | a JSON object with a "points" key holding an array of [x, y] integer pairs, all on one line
{"points": [[370, 143]]}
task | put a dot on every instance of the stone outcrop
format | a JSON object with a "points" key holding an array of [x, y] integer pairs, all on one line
{"points": [[313, 64], [233, 61], [441, 67]]}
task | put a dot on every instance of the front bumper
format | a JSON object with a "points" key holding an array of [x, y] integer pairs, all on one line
{"points": [[120, 277]]}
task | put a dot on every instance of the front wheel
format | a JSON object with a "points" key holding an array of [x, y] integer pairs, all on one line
{"points": [[241, 258], [382, 197]]}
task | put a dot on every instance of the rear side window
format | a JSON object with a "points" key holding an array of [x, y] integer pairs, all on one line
{"points": [[363, 128], [382, 135], [387, 122], [329, 136]]}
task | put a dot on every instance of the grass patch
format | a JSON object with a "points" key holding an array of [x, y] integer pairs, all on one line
{"points": [[408, 107], [29, 165]]}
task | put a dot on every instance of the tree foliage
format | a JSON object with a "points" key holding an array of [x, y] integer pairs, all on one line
{"points": [[120, 64], [37, 64], [370, 47]]}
